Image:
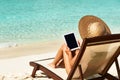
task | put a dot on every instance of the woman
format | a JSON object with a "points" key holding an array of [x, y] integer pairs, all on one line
{"points": [[89, 26]]}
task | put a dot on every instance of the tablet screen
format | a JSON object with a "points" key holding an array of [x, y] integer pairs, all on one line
{"points": [[71, 41]]}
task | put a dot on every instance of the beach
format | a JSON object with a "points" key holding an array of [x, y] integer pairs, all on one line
{"points": [[29, 49], [15, 60], [19, 68], [34, 29]]}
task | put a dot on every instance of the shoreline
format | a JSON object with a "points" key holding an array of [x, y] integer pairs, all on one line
{"points": [[30, 49]]}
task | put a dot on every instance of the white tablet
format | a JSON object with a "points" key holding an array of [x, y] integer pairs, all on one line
{"points": [[71, 41]]}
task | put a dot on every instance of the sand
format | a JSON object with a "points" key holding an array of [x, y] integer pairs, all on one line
{"points": [[29, 49], [18, 68], [14, 61]]}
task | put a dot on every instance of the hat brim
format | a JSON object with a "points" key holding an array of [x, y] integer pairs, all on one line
{"points": [[85, 21]]}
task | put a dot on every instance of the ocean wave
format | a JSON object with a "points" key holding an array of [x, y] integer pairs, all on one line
{"points": [[8, 45]]}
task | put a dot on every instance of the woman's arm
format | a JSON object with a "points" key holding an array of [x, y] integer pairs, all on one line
{"points": [[67, 54], [67, 63], [74, 58], [68, 58], [76, 52]]}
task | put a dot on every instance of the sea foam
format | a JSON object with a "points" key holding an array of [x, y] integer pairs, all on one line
{"points": [[7, 45]]}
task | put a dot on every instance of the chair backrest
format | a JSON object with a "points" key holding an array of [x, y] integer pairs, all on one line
{"points": [[96, 55]]}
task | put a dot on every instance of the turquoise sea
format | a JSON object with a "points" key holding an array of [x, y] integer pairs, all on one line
{"points": [[24, 21]]}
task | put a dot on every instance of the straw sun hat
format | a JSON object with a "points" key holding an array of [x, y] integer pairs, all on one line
{"points": [[91, 26]]}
